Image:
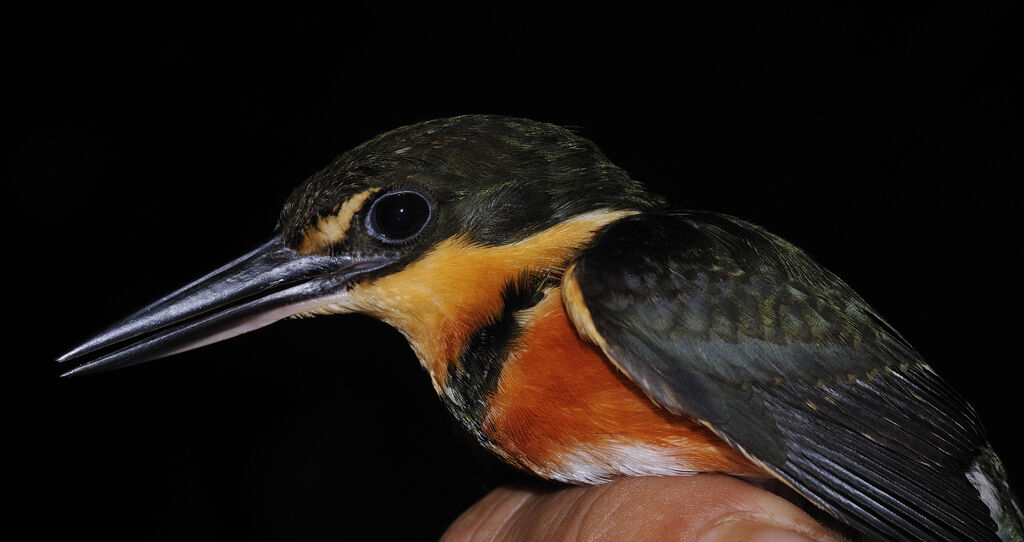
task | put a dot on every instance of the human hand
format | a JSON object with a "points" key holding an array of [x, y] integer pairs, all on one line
{"points": [[704, 507]]}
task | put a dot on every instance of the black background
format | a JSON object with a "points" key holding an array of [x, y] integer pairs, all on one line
{"points": [[147, 147]]}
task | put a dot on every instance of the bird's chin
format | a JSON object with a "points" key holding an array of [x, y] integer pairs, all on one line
{"points": [[339, 303]]}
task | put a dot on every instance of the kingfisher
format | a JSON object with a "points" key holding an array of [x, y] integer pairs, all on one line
{"points": [[581, 328]]}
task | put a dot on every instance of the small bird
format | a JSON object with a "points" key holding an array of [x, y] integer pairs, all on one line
{"points": [[580, 328]]}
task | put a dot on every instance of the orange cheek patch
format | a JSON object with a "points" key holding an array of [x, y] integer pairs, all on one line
{"points": [[438, 301], [560, 395]]}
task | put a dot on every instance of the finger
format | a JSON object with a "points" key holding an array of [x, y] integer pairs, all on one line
{"points": [[703, 507]]}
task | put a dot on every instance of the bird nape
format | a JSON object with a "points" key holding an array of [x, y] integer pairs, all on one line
{"points": [[580, 328]]}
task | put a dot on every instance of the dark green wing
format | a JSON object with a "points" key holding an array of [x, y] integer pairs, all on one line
{"points": [[720, 320]]}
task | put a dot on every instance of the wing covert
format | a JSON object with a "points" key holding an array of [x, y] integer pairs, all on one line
{"points": [[717, 319]]}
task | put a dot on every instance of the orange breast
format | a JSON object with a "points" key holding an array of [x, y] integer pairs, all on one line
{"points": [[563, 411]]}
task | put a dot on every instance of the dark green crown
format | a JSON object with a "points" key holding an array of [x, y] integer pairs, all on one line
{"points": [[496, 179]]}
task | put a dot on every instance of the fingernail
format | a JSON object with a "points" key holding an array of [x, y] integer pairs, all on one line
{"points": [[749, 531]]}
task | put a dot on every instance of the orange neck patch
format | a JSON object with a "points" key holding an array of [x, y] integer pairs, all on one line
{"points": [[439, 300]]}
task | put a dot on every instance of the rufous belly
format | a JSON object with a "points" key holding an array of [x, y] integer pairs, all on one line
{"points": [[563, 411]]}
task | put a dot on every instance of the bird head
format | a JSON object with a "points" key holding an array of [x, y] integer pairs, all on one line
{"points": [[429, 227]]}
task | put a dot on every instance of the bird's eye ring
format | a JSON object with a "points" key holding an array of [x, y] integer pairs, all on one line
{"points": [[399, 216]]}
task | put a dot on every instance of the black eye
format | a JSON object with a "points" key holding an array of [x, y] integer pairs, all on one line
{"points": [[398, 216]]}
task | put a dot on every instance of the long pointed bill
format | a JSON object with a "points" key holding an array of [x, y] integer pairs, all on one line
{"points": [[262, 287]]}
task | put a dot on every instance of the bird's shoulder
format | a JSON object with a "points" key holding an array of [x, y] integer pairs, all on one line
{"points": [[720, 320]]}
